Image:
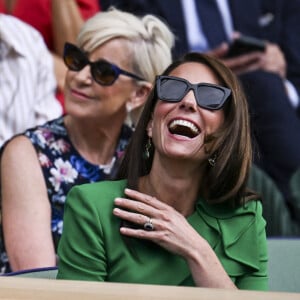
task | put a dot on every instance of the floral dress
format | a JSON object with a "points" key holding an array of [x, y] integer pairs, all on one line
{"points": [[63, 167]]}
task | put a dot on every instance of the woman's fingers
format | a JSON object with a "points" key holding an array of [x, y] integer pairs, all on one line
{"points": [[135, 205], [144, 198], [130, 216], [146, 211]]}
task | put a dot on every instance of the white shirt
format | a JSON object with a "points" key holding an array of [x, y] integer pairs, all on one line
{"points": [[27, 80]]}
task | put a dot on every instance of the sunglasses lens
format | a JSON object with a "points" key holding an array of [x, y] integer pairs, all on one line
{"points": [[104, 73], [74, 59], [210, 97], [171, 90]]}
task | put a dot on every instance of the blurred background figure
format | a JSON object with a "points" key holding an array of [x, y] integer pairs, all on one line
{"points": [[57, 21], [271, 79], [27, 81], [111, 69]]}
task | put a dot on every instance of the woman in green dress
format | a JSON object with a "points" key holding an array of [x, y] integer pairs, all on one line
{"points": [[180, 213]]}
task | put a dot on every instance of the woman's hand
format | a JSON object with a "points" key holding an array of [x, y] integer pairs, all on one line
{"points": [[170, 228], [274, 61], [271, 60]]}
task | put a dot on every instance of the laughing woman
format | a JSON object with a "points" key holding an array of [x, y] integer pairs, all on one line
{"points": [[110, 73], [180, 213]]}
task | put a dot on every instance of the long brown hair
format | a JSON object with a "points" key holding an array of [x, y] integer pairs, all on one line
{"points": [[227, 180]]}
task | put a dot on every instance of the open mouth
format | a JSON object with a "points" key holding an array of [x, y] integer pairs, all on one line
{"points": [[184, 128]]}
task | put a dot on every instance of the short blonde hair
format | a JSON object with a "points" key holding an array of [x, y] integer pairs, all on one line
{"points": [[150, 40]]}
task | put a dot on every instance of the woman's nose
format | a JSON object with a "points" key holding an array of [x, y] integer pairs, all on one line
{"points": [[84, 75], [189, 101]]}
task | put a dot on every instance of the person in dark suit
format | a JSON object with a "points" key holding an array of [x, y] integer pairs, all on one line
{"points": [[271, 79]]}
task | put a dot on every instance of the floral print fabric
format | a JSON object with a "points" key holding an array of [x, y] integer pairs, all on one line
{"points": [[63, 167]]}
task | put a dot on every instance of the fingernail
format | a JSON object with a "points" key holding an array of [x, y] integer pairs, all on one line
{"points": [[116, 210], [117, 200]]}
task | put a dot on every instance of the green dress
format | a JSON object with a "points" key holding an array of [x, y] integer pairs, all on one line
{"points": [[92, 248]]}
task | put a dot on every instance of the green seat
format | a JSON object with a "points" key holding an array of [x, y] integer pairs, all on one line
{"points": [[284, 265], [275, 210], [295, 190]]}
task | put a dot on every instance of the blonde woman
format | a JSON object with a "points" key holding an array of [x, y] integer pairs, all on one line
{"points": [[110, 73]]}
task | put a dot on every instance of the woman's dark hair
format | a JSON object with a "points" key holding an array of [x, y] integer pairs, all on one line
{"points": [[227, 180]]}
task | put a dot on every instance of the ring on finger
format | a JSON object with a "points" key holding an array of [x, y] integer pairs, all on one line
{"points": [[148, 226]]}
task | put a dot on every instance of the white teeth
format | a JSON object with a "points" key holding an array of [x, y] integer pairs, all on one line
{"points": [[184, 123]]}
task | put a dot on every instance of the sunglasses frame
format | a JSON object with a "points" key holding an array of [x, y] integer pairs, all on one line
{"points": [[194, 87], [84, 61]]}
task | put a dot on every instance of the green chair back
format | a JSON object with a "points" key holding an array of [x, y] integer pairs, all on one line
{"points": [[284, 264], [275, 209]]}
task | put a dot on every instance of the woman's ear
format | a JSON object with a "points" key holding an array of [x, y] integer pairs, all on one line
{"points": [[137, 100], [139, 95], [149, 128]]}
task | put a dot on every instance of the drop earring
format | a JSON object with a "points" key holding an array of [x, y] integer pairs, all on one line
{"points": [[147, 148], [129, 119], [212, 160]]}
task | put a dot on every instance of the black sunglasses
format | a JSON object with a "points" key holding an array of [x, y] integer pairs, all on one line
{"points": [[103, 72], [208, 96]]}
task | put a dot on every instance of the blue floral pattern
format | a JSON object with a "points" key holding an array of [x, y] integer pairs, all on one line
{"points": [[63, 167]]}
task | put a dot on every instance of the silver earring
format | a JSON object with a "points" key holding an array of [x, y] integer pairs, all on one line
{"points": [[129, 120], [212, 160], [147, 149]]}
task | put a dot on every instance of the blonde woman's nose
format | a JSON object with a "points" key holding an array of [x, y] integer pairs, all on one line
{"points": [[84, 75]]}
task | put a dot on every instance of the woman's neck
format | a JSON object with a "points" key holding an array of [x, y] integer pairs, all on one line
{"points": [[177, 189], [96, 143]]}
